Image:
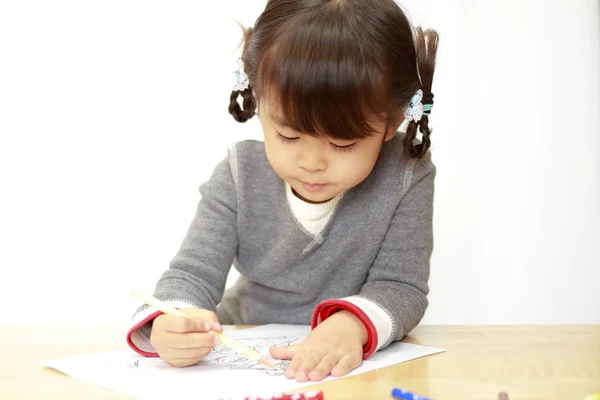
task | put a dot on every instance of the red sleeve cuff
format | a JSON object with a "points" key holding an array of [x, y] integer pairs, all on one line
{"points": [[327, 308], [139, 326]]}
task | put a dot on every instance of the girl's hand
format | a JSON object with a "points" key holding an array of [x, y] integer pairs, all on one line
{"points": [[180, 341], [335, 346]]}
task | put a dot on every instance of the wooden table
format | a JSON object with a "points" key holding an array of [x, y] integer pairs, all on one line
{"points": [[528, 362]]}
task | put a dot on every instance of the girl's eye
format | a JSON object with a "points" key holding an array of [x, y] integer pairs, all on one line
{"points": [[286, 139], [344, 148]]}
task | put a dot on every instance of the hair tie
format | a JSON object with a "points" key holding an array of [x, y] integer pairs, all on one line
{"points": [[427, 103], [418, 106], [241, 79], [414, 110]]}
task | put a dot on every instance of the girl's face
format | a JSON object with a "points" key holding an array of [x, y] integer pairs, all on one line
{"points": [[318, 168]]}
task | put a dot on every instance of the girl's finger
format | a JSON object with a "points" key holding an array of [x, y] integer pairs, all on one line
{"points": [[180, 363], [284, 352], [324, 367], [186, 355], [310, 359], [216, 326], [290, 373], [190, 340], [179, 324], [202, 315], [347, 363]]}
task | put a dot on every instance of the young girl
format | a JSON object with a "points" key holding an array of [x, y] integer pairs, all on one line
{"points": [[329, 221]]}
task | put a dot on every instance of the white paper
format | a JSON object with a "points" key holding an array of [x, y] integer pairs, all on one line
{"points": [[223, 374]]}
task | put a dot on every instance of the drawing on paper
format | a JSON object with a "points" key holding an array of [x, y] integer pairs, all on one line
{"points": [[140, 362], [225, 356], [231, 359]]}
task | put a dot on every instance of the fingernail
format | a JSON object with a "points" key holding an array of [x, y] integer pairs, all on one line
{"points": [[216, 326], [301, 377], [313, 375], [217, 341], [206, 326], [289, 373]]}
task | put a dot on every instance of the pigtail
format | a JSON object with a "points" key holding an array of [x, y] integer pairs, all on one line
{"points": [[249, 104], [248, 99], [426, 44]]}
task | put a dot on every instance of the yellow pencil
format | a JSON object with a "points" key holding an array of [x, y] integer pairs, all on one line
{"points": [[227, 341]]}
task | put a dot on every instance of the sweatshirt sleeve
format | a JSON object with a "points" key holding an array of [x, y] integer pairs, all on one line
{"points": [[198, 272], [393, 300]]}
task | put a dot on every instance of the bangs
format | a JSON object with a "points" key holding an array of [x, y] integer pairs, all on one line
{"points": [[325, 80]]}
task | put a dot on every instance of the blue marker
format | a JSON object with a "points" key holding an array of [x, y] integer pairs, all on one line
{"points": [[404, 395]]}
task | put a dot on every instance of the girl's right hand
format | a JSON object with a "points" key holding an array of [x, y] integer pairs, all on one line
{"points": [[181, 341]]}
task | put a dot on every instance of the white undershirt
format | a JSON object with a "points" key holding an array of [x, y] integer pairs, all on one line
{"points": [[313, 217]]}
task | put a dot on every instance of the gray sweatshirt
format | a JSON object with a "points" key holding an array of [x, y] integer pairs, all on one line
{"points": [[377, 244]]}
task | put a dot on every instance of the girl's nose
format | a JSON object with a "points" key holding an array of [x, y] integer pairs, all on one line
{"points": [[312, 160]]}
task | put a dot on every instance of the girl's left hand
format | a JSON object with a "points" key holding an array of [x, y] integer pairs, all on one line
{"points": [[335, 346]]}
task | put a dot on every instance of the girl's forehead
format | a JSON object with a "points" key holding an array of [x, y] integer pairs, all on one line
{"points": [[274, 112], [273, 109]]}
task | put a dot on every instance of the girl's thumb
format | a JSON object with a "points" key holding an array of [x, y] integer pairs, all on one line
{"points": [[284, 352]]}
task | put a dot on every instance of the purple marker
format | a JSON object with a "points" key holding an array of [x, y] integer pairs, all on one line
{"points": [[404, 395]]}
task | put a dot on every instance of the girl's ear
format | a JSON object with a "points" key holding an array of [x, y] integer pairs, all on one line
{"points": [[393, 128], [389, 135]]}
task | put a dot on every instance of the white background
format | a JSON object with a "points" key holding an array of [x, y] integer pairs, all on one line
{"points": [[113, 113]]}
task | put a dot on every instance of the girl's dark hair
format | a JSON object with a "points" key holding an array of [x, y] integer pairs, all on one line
{"points": [[335, 66]]}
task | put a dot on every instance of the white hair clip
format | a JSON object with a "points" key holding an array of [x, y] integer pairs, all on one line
{"points": [[414, 111], [241, 79]]}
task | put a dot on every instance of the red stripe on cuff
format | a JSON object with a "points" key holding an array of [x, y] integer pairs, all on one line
{"points": [[327, 308], [139, 326]]}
